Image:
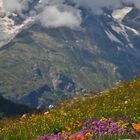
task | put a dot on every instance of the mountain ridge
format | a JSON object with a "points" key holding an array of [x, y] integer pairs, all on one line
{"points": [[96, 56]]}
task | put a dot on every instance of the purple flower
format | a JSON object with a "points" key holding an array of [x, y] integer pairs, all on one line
{"points": [[97, 128]]}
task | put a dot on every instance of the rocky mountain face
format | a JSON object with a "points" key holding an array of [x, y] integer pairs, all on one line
{"points": [[40, 66]]}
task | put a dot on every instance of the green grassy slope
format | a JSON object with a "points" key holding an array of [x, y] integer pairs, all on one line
{"points": [[123, 101], [28, 62]]}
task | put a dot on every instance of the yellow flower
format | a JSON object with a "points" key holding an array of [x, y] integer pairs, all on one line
{"points": [[103, 118], [124, 125], [68, 129]]}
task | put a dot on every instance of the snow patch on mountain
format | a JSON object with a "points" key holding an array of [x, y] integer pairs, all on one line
{"points": [[48, 13], [57, 14], [1, 4], [1, 8], [133, 30], [112, 37], [119, 14], [121, 30], [8, 29]]}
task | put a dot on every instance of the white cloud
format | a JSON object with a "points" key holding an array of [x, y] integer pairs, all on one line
{"points": [[15, 5], [19, 5], [135, 2], [60, 16], [12, 5], [97, 5]]}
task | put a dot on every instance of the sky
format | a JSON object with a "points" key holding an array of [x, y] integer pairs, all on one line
{"points": [[57, 14]]}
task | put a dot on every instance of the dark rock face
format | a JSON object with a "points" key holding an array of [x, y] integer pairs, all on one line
{"points": [[8, 108], [32, 99], [62, 82], [133, 19]]}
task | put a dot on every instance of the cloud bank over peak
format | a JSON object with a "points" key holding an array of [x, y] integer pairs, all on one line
{"points": [[97, 5], [106, 3], [57, 13], [60, 16], [135, 2]]}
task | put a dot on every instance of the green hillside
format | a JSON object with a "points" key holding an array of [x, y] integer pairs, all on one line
{"points": [[120, 103], [42, 65], [36, 59]]}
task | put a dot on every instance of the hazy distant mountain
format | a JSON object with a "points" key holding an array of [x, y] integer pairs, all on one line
{"points": [[42, 65]]}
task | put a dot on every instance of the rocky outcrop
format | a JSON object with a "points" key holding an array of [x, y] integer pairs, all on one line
{"points": [[62, 82]]}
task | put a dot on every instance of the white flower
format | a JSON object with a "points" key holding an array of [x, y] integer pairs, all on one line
{"points": [[126, 102]]}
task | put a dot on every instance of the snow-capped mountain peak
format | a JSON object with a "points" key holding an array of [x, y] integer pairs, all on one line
{"points": [[120, 33], [8, 26]]}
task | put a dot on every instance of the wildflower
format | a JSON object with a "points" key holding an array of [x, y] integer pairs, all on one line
{"points": [[124, 125], [136, 127], [46, 113], [103, 118], [24, 116], [126, 102], [97, 128], [133, 133], [68, 129], [71, 138], [88, 134], [78, 136]]}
